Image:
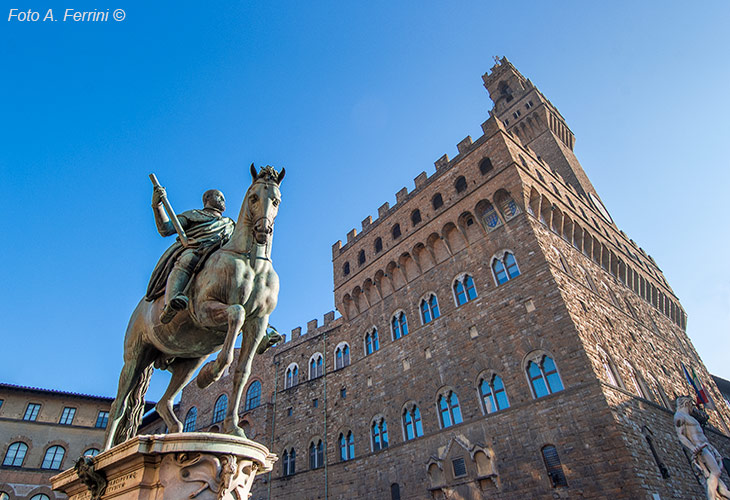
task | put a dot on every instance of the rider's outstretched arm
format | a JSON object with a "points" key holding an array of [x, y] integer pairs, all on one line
{"points": [[162, 221]]}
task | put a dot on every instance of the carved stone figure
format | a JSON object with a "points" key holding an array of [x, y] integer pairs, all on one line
{"points": [[704, 456], [235, 291], [95, 481]]}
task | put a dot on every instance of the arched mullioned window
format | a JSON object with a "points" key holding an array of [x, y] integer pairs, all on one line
{"points": [[492, 393], [464, 289], [379, 434], [253, 395], [361, 257], [505, 268], [449, 409], [396, 231], [415, 217], [460, 184], [289, 460], [92, 452], [372, 343], [342, 355], [219, 410], [429, 308], [53, 458], [485, 166], [609, 369], [553, 466], [316, 366], [378, 245], [638, 381], [399, 325], [292, 376], [316, 454], [437, 201], [543, 375], [412, 426], [191, 420], [39, 496], [16, 454], [347, 446]]}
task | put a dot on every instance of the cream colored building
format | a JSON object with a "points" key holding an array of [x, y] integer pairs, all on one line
{"points": [[43, 432]]}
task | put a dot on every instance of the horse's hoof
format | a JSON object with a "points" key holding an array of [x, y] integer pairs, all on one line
{"points": [[238, 432]]}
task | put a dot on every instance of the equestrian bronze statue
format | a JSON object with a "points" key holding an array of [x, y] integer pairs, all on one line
{"points": [[215, 282]]}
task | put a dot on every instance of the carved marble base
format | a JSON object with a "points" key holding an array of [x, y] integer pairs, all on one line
{"points": [[200, 465]]}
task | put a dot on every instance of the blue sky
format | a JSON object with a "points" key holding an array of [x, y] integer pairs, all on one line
{"points": [[355, 99]]}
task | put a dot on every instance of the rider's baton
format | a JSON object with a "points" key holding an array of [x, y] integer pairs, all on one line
{"points": [[171, 213]]}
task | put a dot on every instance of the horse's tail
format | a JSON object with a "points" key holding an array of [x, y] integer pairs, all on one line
{"points": [[132, 417]]}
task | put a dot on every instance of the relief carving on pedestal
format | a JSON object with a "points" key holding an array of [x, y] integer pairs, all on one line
{"points": [[206, 476]]}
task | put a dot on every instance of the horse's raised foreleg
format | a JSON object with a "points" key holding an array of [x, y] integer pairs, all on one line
{"points": [[220, 313], [182, 370], [253, 332]]}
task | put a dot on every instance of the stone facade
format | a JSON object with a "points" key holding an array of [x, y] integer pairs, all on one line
{"points": [[534, 284], [73, 422]]}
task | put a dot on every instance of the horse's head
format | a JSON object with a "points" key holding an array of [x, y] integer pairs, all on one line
{"points": [[262, 202]]}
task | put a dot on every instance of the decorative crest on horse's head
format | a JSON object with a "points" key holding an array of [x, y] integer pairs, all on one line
{"points": [[267, 174]]}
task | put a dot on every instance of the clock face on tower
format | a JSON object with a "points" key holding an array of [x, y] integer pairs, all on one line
{"points": [[601, 209]]}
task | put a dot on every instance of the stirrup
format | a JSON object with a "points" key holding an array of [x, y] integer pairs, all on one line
{"points": [[176, 304]]}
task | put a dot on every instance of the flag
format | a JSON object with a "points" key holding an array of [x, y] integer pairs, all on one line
{"points": [[700, 400], [703, 393]]}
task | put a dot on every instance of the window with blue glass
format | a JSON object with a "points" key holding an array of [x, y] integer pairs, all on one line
{"points": [[31, 411], [449, 410], [92, 452], [67, 417], [102, 419], [379, 434], [464, 290], [342, 356], [292, 376], [289, 462], [429, 309], [253, 395], [347, 446], [316, 366], [53, 458], [544, 377], [16, 454], [505, 268], [316, 454], [372, 343], [191, 420], [219, 410], [399, 325], [493, 394], [412, 426]]}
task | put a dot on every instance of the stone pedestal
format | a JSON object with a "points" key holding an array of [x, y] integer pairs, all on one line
{"points": [[200, 465]]}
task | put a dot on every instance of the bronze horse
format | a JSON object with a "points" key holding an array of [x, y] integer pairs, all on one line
{"points": [[235, 291]]}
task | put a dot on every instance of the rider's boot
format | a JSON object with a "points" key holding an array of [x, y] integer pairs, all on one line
{"points": [[175, 300]]}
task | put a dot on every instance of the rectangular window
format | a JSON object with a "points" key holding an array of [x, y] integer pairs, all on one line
{"points": [[343, 392], [67, 417], [459, 467], [102, 419], [315, 402], [1, 404], [31, 412]]}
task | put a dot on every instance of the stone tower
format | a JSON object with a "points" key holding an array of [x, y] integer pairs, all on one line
{"points": [[500, 337]]}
